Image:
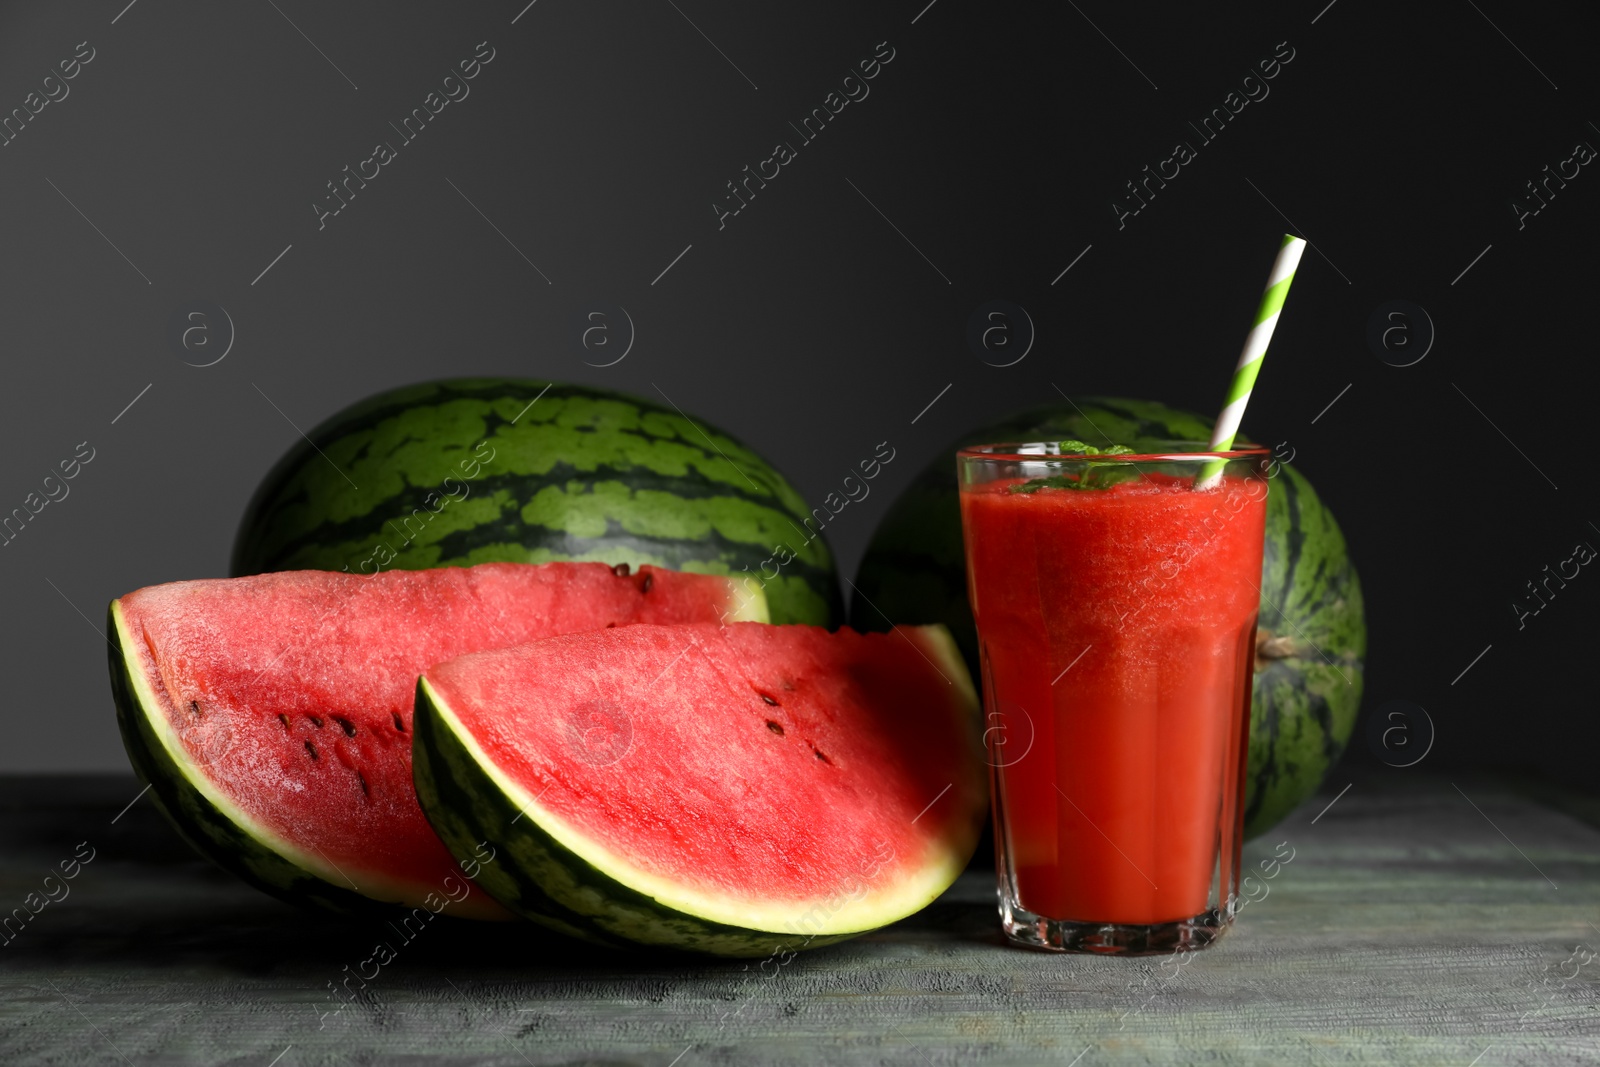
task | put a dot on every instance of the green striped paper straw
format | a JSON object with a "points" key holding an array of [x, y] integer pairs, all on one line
{"points": [[1255, 349]]}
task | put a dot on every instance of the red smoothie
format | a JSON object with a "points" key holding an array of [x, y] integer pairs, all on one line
{"points": [[1118, 636]]}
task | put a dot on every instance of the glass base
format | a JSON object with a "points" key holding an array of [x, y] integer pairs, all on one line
{"points": [[1023, 927]]}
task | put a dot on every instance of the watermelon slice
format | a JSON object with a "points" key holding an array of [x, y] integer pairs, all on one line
{"points": [[736, 790], [271, 715]]}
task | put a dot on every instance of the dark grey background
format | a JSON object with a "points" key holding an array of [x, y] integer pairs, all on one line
{"points": [[596, 141]]}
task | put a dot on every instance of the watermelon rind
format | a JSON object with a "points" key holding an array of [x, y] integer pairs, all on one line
{"points": [[176, 775], [1307, 689], [550, 873], [1309, 673], [464, 471], [219, 830]]}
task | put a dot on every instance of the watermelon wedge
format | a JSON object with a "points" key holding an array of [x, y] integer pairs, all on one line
{"points": [[737, 790], [271, 715]]}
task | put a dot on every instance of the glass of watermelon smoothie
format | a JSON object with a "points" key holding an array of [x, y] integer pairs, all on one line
{"points": [[1116, 611]]}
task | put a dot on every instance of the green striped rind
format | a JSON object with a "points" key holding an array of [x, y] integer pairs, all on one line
{"points": [[1303, 712], [581, 474], [1304, 705], [539, 878], [209, 830]]}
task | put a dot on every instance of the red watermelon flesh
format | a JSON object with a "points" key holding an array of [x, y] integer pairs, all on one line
{"points": [[741, 774], [286, 699]]}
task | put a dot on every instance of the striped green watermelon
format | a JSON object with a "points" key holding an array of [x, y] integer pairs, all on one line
{"points": [[271, 715], [747, 789], [452, 473], [1312, 633]]}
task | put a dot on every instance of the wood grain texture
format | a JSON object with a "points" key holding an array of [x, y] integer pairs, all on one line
{"points": [[1407, 929]]}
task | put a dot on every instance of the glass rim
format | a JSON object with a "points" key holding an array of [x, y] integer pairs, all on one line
{"points": [[1049, 452]]}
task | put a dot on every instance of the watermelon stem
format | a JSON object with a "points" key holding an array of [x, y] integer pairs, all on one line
{"points": [[1270, 646]]}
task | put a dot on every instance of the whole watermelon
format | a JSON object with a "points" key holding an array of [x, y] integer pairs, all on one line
{"points": [[1309, 654], [453, 473]]}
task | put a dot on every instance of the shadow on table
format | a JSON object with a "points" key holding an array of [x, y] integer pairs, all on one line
{"points": [[229, 928], [147, 903]]}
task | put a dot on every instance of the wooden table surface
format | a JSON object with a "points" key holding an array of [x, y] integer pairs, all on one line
{"points": [[1421, 921]]}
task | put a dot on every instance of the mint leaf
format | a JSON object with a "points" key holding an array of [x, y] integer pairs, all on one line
{"points": [[1094, 476], [1055, 481], [1104, 476], [1078, 448]]}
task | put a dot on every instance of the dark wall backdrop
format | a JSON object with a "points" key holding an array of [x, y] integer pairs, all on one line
{"points": [[185, 157]]}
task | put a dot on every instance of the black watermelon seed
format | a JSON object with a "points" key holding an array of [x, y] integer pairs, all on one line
{"points": [[311, 748], [346, 725], [775, 728], [769, 700], [621, 570], [398, 725], [649, 580], [315, 721]]}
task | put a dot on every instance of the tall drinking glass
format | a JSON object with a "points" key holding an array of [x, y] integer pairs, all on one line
{"points": [[1116, 612]]}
